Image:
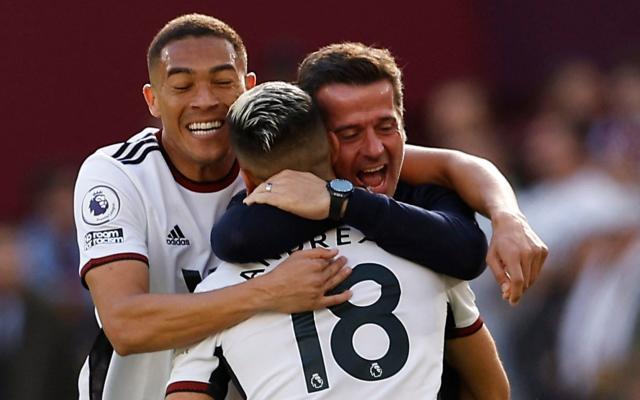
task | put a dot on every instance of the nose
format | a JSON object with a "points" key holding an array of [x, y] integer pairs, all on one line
{"points": [[372, 146], [204, 97]]}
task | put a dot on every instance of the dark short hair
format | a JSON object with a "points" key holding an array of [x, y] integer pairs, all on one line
{"points": [[275, 125], [194, 25], [353, 64]]}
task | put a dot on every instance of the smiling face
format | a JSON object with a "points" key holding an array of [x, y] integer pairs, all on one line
{"points": [[192, 87], [368, 129]]}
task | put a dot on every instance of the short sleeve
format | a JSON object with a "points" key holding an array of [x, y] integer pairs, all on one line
{"points": [[109, 215], [464, 313], [197, 368]]}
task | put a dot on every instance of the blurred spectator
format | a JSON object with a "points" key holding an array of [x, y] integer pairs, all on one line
{"points": [[598, 323], [52, 260], [572, 198], [575, 92], [458, 116], [34, 346], [49, 232], [573, 204], [615, 140]]}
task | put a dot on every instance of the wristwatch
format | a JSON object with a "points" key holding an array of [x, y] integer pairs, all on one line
{"points": [[339, 191]]}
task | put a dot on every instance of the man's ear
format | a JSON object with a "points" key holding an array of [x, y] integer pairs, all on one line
{"points": [[250, 80], [248, 180], [150, 98], [334, 146]]}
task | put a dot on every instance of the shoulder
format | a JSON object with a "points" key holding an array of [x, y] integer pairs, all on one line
{"points": [[135, 149], [104, 177], [131, 151], [428, 196], [406, 191]]}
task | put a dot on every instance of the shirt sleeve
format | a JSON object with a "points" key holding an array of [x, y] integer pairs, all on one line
{"points": [[463, 315], [109, 215], [198, 368], [246, 234], [429, 225], [440, 232]]}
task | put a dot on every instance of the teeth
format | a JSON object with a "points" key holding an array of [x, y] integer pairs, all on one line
{"points": [[204, 126], [375, 169]]}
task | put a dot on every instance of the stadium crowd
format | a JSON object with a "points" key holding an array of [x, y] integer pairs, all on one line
{"points": [[573, 155]]}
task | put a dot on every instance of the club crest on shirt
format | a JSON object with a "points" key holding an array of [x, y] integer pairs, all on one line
{"points": [[100, 205]]}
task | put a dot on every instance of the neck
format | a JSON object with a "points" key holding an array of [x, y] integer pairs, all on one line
{"points": [[209, 171]]}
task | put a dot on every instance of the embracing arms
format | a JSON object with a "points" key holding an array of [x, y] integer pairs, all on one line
{"points": [[137, 321], [516, 254], [439, 232]]}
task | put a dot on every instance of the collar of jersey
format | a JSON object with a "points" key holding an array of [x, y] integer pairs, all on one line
{"points": [[195, 186]]}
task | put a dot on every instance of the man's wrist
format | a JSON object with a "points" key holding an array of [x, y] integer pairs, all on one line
{"points": [[343, 210], [260, 297], [501, 216], [339, 192]]}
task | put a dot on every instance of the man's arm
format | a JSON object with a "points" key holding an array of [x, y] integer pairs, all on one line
{"points": [[516, 254], [137, 321], [470, 351], [440, 233], [475, 359]]}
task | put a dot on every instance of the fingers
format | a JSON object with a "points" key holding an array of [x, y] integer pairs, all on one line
{"points": [[540, 257], [516, 271], [319, 252], [332, 300], [306, 279], [516, 284], [525, 263], [261, 195], [499, 271], [496, 265], [337, 278], [508, 272]]}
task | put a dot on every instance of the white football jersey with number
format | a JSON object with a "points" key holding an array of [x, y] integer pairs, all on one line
{"points": [[385, 343], [131, 204]]}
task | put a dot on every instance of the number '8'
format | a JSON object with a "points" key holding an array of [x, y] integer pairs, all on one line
{"points": [[352, 317], [379, 313]]}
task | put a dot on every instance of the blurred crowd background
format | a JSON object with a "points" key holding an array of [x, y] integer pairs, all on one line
{"points": [[548, 91]]}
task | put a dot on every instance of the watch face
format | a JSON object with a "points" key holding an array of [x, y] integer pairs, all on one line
{"points": [[341, 185]]}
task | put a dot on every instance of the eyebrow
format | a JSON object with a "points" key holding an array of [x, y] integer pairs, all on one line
{"points": [[179, 70], [212, 70], [221, 67]]}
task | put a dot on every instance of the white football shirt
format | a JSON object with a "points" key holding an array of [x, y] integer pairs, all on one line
{"points": [[131, 203], [386, 342]]}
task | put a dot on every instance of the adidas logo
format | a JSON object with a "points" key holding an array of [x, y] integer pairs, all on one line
{"points": [[177, 238]]}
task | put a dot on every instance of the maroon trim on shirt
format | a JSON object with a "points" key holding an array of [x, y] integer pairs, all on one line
{"points": [[194, 186], [466, 331], [96, 262], [188, 386]]}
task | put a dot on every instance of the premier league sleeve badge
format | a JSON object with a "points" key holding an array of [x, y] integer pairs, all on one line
{"points": [[100, 205]]}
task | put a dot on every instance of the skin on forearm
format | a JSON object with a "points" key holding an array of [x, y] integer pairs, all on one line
{"points": [[516, 253], [137, 321], [475, 179]]}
